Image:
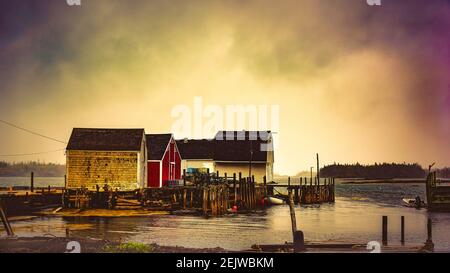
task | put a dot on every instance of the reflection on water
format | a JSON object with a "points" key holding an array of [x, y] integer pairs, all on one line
{"points": [[355, 217]]}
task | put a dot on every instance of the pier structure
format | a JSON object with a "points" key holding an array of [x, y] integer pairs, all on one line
{"points": [[307, 191], [202, 193], [438, 193]]}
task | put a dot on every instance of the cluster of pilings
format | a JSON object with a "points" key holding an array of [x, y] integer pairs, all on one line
{"points": [[215, 200], [308, 191], [219, 194], [82, 198]]}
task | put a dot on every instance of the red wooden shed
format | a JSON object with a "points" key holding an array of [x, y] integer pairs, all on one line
{"points": [[164, 161]]}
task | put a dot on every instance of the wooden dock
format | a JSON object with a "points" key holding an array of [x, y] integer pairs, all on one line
{"points": [[206, 194], [438, 193]]}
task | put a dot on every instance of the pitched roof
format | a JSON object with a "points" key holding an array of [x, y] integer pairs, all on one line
{"points": [[196, 148], [241, 146], [233, 146], [96, 139], [156, 145]]}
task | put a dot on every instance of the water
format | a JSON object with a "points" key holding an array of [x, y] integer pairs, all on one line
{"points": [[355, 217], [6, 182]]}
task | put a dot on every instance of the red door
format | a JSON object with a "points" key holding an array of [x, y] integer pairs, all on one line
{"points": [[153, 174]]}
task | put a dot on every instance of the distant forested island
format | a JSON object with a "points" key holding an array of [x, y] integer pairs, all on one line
{"points": [[379, 171], [25, 168]]}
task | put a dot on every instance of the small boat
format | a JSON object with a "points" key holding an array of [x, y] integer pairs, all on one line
{"points": [[413, 203], [274, 201]]}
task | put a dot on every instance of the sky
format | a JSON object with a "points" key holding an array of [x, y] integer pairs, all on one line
{"points": [[352, 82]]}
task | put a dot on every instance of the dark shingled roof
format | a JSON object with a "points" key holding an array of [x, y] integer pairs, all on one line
{"points": [[156, 145], [196, 148], [94, 139], [222, 148], [237, 146]]}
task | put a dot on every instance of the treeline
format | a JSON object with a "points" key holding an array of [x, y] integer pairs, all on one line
{"points": [[376, 171], [25, 168], [443, 173]]}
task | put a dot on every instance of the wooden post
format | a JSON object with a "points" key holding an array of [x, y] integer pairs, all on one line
{"points": [[429, 231], [292, 212], [234, 189], [211, 199], [240, 187], [32, 182], [385, 230], [204, 201], [318, 169], [299, 242], [265, 186], [184, 177], [247, 192], [65, 181], [402, 230], [184, 198], [5, 220], [253, 192], [429, 245]]}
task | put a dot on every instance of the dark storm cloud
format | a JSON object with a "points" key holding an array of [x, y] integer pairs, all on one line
{"points": [[385, 67]]}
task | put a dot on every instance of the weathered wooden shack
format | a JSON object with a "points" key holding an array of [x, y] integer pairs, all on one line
{"points": [[113, 157], [246, 152], [164, 161]]}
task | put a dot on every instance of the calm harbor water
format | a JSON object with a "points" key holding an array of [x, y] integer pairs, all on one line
{"points": [[355, 217], [6, 182]]}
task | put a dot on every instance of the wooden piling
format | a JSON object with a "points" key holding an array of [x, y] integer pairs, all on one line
{"points": [[429, 230], [402, 229], [265, 186], [292, 212], [253, 192], [385, 230], [184, 198], [318, 169], [4, 217], [296, 196], [246, 193], [234, 189], [429, 245], [32, 182], [205, 201], [299, 242]]}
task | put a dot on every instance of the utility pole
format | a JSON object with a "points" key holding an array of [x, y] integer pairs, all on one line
{"points": [[251, 158]]}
